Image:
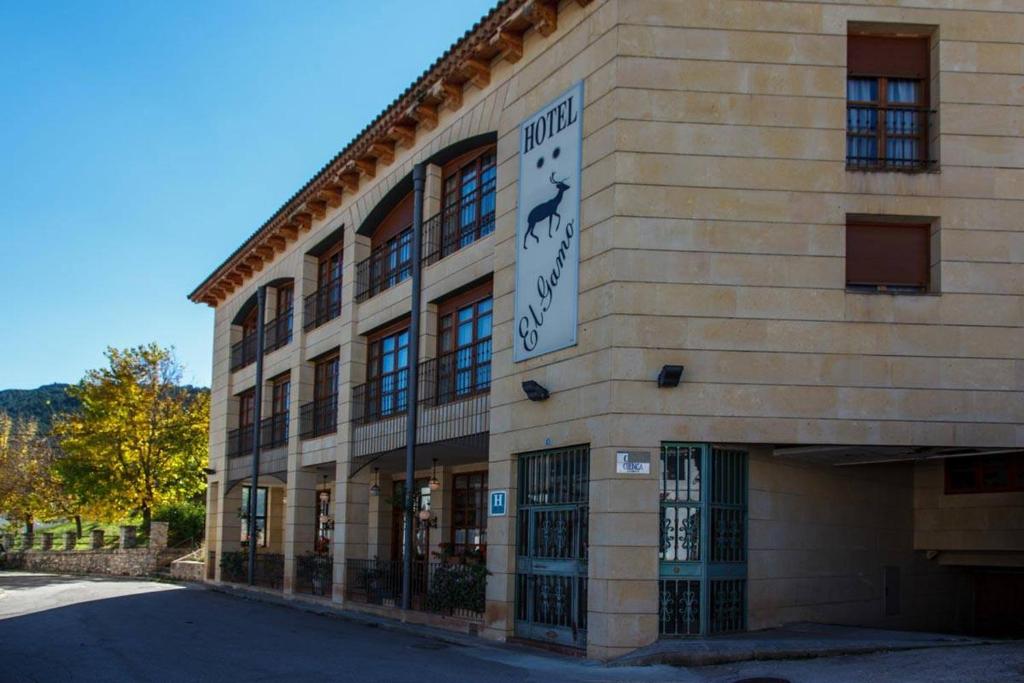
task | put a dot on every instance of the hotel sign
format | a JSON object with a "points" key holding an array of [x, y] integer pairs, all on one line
{"points": [[548, 227]]}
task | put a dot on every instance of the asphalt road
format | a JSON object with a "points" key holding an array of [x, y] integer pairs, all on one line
{"points": [[56, 628]]}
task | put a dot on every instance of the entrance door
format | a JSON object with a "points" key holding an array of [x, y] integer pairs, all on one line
{"points": [[703, 566], [551, 546]]}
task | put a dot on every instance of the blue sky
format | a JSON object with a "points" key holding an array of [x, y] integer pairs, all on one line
{"points": [[143, 141]]}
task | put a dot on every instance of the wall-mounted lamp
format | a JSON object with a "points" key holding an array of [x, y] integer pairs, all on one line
{"points": [[209, 470], [375, 487], [434, 482], [670, 375], [534, 391]]}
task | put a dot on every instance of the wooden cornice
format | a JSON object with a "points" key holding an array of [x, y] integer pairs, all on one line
{"points": [[499, 36]]}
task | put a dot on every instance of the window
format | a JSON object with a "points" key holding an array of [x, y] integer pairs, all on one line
{"points": [[279, 330], [469, 514], [420, 528], [468, 203], [329, 283], [261, 515], [325, 378], [985, 474], [388, 374], [396, 262], [276, 433], [888, 256], [464, 340], [246, 408], [887, 103], [320, 416]]}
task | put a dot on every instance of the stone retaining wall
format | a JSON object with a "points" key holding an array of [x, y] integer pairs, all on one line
{"points": [[133, 562], [187, 570]]}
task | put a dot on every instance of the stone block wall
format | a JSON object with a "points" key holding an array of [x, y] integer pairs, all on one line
{"points": [[820, 538], [133, 562]]}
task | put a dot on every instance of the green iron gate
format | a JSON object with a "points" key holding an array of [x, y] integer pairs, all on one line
{"points": [[551, 546], [703, 566]]}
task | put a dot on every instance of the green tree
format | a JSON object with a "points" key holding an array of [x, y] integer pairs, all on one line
{"points": [[139, 439]]}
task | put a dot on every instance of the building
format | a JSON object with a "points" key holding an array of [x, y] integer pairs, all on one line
{"points": [[811, 210]]}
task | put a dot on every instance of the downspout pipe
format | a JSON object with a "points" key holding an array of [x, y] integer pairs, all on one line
{"points": [[412, 405], [257, 432]]}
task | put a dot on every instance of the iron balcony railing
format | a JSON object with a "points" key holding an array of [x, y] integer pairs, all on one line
{"points": [[894, 138], [274, 435], [278, 332], [319, 417], [459, 224], [244, 352], [275, 431], [240, 442], [441, 587], [386, 266], [322, 306], [449, 377]]}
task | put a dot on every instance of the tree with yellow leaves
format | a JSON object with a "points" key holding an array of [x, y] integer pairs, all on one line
{"points": [[29, 486], [139, 439]]}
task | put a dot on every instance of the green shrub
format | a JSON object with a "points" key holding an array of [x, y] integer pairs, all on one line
{"points": [[186, 522]]}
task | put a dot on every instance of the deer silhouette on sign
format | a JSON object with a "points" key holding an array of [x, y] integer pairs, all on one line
{"points": [[548, 210]]}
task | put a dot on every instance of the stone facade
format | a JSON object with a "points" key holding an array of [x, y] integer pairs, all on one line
{"points": [[715, 199]]}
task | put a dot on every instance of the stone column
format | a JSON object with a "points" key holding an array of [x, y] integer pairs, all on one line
{"points": [[47, 541], [299, 520], [70, 540], [127, 537], [622, 609], [351, 528], [27, 540], [97, 539], [158, 535]]}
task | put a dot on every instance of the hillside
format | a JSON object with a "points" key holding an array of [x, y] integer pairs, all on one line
{"points": [[48, 400], [39, 404]]}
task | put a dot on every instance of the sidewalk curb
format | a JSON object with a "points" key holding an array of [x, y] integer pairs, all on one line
{"points": [[352, 616]]}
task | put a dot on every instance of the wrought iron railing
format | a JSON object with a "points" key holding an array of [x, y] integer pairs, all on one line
{"points": [[314, 574], [240, 442], [274, 435], [319, 417], [894, 138], [269, 569], [444, 588], [386, 266], [322, 305], [450, 377], [459, 224], [244, 352], [278, 332], [275, 431]]}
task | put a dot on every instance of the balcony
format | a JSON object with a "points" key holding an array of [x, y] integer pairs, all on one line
{"points": [[459, 224], [386, 266], [322, 306], [244, 352], [453, 402], [274, 435], [278, 332], [319, 417], [888, 138]]}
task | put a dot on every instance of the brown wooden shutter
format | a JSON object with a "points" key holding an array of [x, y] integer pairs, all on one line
{"points": [[895, 254], [888, 56]]}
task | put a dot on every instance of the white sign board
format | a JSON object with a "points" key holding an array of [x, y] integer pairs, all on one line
{"points": [[548, 227], [633, 462]]}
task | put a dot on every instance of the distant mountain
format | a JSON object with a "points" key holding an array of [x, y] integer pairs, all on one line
{"points": [[39, 404], [48, 400]]}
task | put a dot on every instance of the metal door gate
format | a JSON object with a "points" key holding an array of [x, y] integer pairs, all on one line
{"points": [[551, 546], [703, 566]]}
